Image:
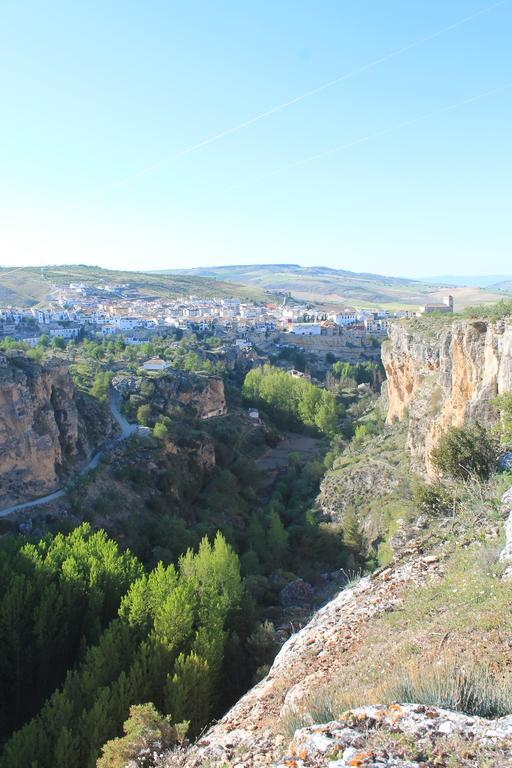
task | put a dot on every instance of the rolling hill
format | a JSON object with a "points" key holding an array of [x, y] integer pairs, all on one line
{"points": [[325, 285], [494, 282], [27, 286]]}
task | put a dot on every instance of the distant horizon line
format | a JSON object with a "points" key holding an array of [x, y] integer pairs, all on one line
{"points": [[263, 265]]}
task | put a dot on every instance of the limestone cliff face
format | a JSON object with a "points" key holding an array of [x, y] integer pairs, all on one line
{"points": [[445, 374], [43, 429]]}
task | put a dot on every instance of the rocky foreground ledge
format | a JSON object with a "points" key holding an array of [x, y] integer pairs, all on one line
{"points": [[246, 736], [402, 736]]}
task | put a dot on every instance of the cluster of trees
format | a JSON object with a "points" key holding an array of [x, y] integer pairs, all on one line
{"points": [[166, 645], [38, 352], [358, 373], [292, 402], [56, 596], [286, 535], [498, 311], [185, 353]]}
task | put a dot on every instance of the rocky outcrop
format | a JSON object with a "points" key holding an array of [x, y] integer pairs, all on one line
{"points": [[45, 426], [201, 396], [246, 736], [445, 374], [401, 736]]}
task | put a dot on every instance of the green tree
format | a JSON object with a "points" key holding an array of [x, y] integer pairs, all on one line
{"points": [[101, 385], [144, 414], [326, 416], [277, 538], [256, 536], [352, 532], [58, 342], [160, 431], [188, 693]]}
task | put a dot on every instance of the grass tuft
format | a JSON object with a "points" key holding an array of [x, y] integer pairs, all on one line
{"points": [[471, 689]]}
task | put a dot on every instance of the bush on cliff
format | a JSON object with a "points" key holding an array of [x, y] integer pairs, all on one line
{"points": [[465, 452]]}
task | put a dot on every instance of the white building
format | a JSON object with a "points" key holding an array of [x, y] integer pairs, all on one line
{"points": [[128, 323], [306, 329], [155, 364], [108, 329], [65, 332], [345, 318]]}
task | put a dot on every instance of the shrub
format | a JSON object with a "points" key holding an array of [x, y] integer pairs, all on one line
{"points": [[498, 311], [353, 537], [263, 644], [144, 414], [160, 431], [464, 452], [432, 499], [147, 734]]}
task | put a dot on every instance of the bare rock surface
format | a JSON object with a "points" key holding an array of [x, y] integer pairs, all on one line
{"points": [[201, 395], [370, 737], [46, 426], [247, 736]]}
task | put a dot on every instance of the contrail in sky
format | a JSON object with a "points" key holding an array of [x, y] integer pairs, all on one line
{"points": [[296, 99], [383, 132]]}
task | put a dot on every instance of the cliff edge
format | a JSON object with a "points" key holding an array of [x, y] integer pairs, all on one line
{"points": [[46, 426], [442, 374]]}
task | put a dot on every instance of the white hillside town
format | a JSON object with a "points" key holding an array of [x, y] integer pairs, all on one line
{"points": [[81, 310]]}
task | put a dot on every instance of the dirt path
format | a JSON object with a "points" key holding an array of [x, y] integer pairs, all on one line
{"points": [[126, 428]]}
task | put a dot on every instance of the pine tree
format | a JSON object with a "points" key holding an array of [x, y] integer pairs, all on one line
{"points": [[277, 538], [352, 533], [189, 692]]}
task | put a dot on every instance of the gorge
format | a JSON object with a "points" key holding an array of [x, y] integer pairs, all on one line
{"points": [[432, 600]]}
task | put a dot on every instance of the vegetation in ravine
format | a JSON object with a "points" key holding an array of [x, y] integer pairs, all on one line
{"points": [[292, 402], [167, 644], [109, 629]]}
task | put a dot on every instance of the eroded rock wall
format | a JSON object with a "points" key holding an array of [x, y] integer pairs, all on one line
{"points": [[43, 431], [445, 374]]}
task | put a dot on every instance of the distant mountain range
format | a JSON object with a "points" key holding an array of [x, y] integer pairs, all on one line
{"points": [[340, 286], [496, 282], [321, 285]]}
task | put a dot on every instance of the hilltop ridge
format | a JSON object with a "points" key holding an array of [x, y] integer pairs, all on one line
{"points": [[27, 286], [340, 286]]}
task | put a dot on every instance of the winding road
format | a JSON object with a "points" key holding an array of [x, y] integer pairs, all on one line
{"points": [[126, 428]]}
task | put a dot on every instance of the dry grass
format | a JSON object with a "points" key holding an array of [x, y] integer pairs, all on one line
{"points": [[447, 643]]}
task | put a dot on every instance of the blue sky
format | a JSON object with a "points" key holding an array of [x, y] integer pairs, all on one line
{"points": [[93, 93]]}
